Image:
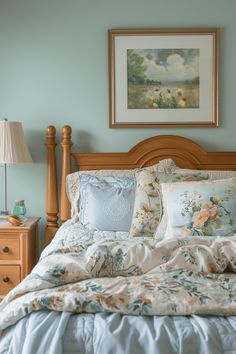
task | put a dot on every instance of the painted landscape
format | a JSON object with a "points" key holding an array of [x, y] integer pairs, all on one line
{"points": [[163, 78]]}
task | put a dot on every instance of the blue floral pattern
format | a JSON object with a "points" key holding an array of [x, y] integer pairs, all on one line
{"points": [[181, 276]]}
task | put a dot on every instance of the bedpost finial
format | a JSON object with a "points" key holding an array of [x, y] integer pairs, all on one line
{"points": [[51, 131], [66, 131]]}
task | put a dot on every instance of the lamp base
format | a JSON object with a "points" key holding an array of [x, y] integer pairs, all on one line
{"points": [[4, 213]]}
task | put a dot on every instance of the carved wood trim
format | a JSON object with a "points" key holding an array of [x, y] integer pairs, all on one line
{"points": [[51, 186], [185, 153]]}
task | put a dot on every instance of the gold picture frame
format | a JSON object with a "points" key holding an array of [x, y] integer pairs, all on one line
{"points": [[160, 78]]}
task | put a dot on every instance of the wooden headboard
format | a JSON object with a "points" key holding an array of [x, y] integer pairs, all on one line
{"points": [[185, 152]]}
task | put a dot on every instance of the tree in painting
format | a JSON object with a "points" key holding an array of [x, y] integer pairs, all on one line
{"points": [[163, 78]]}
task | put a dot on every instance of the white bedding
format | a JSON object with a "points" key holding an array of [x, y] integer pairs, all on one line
{"points": [[70, 232]]}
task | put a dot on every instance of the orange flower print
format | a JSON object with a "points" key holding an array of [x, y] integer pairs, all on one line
{"points": [[213, 210], [200, 217], [145, 300]]}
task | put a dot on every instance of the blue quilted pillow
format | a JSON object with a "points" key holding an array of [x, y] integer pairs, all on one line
{"points": [[107, 204]]}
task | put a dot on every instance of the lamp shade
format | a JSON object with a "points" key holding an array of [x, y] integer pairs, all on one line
{"points": [[13, 148]]}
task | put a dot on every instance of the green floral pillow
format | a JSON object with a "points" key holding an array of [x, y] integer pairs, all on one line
{"points": [[206, 208], [147, 206]]}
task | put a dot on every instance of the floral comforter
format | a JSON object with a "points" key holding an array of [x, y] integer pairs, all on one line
{"points": [[180, 276]]}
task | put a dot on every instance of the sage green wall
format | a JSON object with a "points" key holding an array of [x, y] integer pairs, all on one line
{"points": [[53, 70]]}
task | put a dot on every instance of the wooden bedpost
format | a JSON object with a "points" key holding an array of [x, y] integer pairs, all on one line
{"points": [[66, 169], [51, 193]]}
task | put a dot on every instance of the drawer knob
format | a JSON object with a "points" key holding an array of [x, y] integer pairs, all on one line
{"points": [[6, 249], [6, 279]]}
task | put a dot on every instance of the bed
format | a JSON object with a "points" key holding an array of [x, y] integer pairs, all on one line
{"points": [[148, 288]]}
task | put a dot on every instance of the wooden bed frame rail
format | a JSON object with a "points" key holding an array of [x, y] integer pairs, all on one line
{"points": [[185, 152]]}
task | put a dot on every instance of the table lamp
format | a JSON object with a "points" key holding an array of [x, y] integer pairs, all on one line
{"points": [[13, 149]]}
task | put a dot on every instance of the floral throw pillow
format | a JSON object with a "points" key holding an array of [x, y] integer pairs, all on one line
{"points": [[206, 208], [148, 206]]}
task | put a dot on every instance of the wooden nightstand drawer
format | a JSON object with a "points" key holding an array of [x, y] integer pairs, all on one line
{"points": [[9, 248], [9, 278], [18, 252]]}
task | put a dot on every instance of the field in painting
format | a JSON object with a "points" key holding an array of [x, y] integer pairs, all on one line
{"points": [[185, 95]]}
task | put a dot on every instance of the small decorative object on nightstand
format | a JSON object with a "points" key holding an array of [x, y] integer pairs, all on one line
{"points": [[19, 208], [18, 252], [15, 220]]}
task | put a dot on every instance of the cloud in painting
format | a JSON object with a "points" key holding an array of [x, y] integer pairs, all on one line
{"points": [[175, 67]]}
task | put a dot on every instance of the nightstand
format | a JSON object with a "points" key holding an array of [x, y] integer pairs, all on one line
{"points": [[18, 252]]}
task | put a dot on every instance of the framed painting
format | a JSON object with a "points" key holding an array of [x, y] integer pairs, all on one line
{"points": [[163, 77]]}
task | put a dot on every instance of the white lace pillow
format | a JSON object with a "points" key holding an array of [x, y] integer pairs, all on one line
{"points": [[73, 180]]}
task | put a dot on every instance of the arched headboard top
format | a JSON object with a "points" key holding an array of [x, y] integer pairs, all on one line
{"points": [[185, 152]]}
